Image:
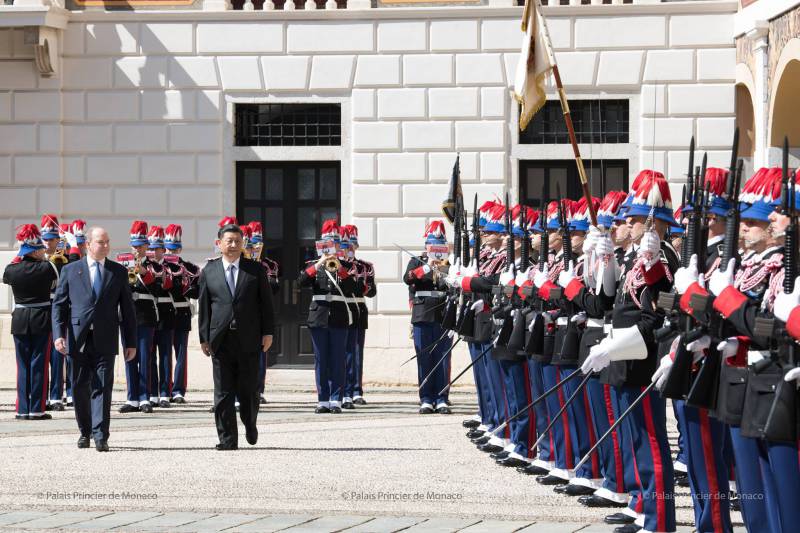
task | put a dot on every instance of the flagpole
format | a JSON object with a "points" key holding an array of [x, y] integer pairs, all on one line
{"points": [[562, 97]]}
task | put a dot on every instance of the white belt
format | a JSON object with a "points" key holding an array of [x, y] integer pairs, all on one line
{"points": [[164, 300], [754, 356], [595, 323], [432, 294], [141, 296], [562, 321], [607, 328], [328, 298], [52, 296], [359, 300], [33, 306], [181, 304]]}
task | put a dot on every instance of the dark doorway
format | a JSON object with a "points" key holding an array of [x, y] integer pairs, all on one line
{"points": [[538, 179], [291, 200]]}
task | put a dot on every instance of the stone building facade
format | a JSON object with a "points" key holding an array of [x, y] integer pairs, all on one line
{"points": [[138, 119]]}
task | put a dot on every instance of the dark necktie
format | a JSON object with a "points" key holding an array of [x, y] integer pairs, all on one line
{"points": [[98, 281], [231, 279]]}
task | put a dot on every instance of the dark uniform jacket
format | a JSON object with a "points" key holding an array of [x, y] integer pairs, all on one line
{"points": [[145, 294], [365, 280], [328, 308], [31, 282], [427, 296], [188, 290]]}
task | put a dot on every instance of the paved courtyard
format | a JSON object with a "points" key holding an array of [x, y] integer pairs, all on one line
{"points": [[380, 468]]}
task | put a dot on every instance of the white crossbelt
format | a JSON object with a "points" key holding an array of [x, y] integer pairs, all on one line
{"points": [[754, 356], [328, 298], [140, 296], [359, 300], [33, 306], [181, 304], [164, 300], [432, 294], [562, 321], [595, 323]]}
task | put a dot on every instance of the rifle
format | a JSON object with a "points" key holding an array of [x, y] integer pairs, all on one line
{"points": [[566, 241], [476, 235], [525, 252], [441, 360], [535, 343], [464, 240]]}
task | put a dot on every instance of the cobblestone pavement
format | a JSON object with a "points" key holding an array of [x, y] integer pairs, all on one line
{"points": [[380, 468]]}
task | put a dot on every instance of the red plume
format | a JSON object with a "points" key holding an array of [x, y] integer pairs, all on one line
{"points": [[28, 233], [139, 227], [226, 221]]}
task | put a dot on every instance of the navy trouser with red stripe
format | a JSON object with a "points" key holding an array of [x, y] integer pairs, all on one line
{"points": [[781, 473], [707, 468], [677, 409], [180, 343], [56, 374], [497, 389], [486, 409], [632, 483], [515, 379], [648, 429], [609, 451], [329, 365], [541, 419], [562, 441], [361, 336], [351, 356], [33, 358], [163, 376], [580, 425], [138, 370]]}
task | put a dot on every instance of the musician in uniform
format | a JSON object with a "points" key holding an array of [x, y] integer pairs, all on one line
{"points": [[188, 278], [426, 286], [329, 317], [142, 276], [31, 278], [54, 252], [272, 269]]}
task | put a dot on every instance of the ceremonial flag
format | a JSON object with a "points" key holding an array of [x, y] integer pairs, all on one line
{"points": [[536, 61]]}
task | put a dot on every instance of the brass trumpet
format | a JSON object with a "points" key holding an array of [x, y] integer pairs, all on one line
{"points": [[58, 258], [332, 264], [133, 272]]}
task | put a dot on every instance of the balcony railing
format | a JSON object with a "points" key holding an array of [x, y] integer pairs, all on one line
{"points": [[287, 5]]}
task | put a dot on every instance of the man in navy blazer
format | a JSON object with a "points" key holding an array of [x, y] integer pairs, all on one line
{"points": [[93, 302]]}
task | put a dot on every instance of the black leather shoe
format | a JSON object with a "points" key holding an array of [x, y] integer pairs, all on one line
{"points": [[348, 405], [146, 408], [470, 423], [499, 455], [511, 462], [70, 404], [481, 440], [619, 518], [178, 399], [211, 409], [21, 417], [735, 504], [57, 406], [594, 500], [443, 410], [533, 470], [426, 410], [681, 479], [336, 410], [475, 434], [101, 446], [251, 434], [578, 490], [164, 404], [321, 409], [262, 400], [360, 401], [48, 407], [83, 442], [551, 480], [560, 489], [490, 448], [226, 447], [128, 408], [45, 416], [629, 528]]}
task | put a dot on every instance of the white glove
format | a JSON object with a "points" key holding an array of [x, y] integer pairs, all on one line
{"points": [[722, 279], [700, 344], [728, 347], [566, 276], [72, 240], [477, 306], [522, 277], [426, 268], [540, 278], [792, 375], [604, 246], [579, 318], [661, 374], [469, 271], [685, 276], [506, 278], [453, 281], [785, 303], [598, 358], [591, 239], [650, 247]]}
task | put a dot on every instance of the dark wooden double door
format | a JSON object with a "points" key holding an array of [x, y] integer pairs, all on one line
{"points": [[291, 199]]}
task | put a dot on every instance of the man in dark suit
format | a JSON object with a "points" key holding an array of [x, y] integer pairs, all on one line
{"points": [[236, 323], [93, 301]]}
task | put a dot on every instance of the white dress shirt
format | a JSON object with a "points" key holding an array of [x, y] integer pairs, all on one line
{"points": [[93, 270], [226, 267]]}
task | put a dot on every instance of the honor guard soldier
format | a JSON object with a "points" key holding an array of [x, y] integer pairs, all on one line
{"points": [[329, 317], [31, 278], [631, 347], [186, 285], [55, 253], [273, 277], [168, 285], [74, 250], [354, 289], [425, 277], [142, 278]]}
